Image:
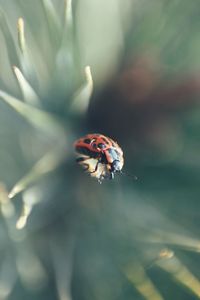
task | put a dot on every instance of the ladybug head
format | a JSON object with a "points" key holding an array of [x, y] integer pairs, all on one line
{"points": [[116, 166]]}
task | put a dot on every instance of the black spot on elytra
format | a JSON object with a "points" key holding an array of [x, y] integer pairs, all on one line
{"points": [[105, 140], [87, 141], [94, 146], [101, 146]]}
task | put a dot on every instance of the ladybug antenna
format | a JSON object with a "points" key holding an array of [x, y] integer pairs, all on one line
{"points": [[129, 175]]}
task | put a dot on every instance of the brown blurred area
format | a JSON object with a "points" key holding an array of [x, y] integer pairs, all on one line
{"points": [[141, 106]]}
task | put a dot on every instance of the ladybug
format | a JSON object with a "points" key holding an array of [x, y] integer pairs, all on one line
{"points": [[99, 155]]}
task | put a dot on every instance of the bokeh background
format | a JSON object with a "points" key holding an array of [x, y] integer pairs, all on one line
{"points": [[129, 69]]}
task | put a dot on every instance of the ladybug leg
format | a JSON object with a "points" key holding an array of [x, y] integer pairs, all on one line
{"points": [[111, 176], [96, 167], [100, 179], [86, 167]]}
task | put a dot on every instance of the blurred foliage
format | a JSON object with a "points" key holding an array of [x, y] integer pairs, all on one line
{"points": [[131, 70]]}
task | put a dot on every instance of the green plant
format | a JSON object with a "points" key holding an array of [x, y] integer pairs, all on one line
{"points": [[62, 234]]}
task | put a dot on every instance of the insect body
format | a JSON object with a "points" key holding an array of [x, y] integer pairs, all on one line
{"points": [[99, 155]]}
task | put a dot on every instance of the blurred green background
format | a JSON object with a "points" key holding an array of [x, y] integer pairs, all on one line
{"points": [[129, 69]]}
